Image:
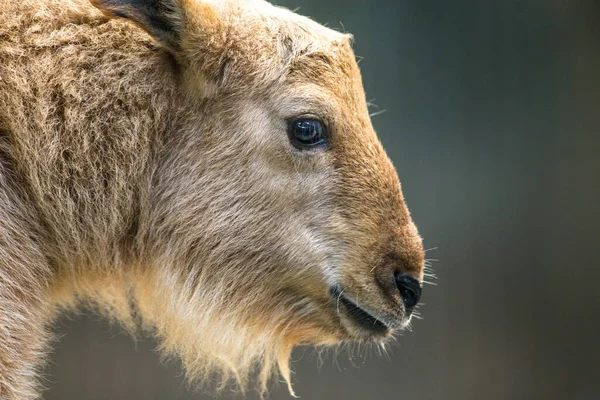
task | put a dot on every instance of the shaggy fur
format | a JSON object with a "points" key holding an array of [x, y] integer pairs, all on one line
{"points": [[145, 170]]}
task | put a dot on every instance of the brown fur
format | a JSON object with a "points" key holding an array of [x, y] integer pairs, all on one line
{"points": [[150, 176]]}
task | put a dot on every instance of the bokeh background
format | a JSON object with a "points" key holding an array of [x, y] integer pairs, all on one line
{"points": [[493, 121]]}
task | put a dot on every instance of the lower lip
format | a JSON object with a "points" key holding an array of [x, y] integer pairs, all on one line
{"points": [[360, 317]]}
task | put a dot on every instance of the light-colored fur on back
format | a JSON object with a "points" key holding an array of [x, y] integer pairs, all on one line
{"points": [[145, 171]]}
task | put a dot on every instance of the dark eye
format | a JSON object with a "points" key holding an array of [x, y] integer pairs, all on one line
{"points": [[307, 133]]}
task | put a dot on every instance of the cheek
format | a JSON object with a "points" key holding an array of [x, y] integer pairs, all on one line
{"points": [[246, 204], [297, 217], [300, 212]]}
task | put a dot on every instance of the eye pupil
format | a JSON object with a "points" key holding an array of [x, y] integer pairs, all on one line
{"points": [[307, 132]]}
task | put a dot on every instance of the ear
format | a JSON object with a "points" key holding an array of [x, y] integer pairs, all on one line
{"points": [[163, 19]]}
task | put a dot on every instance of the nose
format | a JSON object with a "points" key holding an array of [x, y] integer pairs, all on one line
{"points": [[410, 290]]}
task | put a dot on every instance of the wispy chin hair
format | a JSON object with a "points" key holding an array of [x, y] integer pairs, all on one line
{"points": [[221, 347]]}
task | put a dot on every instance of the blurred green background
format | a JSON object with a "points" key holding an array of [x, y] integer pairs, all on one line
{"points": [[493, 122]]}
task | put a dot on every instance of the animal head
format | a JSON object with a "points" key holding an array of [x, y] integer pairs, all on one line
{"points": [[276, 217]]}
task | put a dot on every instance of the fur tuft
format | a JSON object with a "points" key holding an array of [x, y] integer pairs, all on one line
{"points": [[224, 354]]}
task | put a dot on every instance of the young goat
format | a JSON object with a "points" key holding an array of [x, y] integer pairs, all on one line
{"points": [[205, 170]]}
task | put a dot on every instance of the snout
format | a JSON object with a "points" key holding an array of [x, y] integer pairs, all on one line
{"points": [[387, 312]]}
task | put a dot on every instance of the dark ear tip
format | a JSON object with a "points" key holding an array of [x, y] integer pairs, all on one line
{"points": [[114, 8], [157, 17], [103, 6]]}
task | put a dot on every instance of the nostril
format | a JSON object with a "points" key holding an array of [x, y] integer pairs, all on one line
{"points": [[410, 290]]}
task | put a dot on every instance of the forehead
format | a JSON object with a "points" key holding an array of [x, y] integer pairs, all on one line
{"points": [[312, 53], [284, 49], [329, 75], [302, 45], [283, 19], [304, 42]]}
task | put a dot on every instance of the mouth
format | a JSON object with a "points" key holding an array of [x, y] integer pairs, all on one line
{"points": [[359, 316]]}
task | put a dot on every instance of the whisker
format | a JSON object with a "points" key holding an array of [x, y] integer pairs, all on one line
{"points": [[417, 316], [377, 113], [343, 27]]}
